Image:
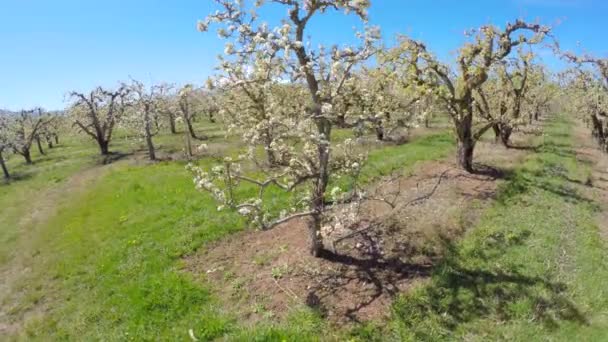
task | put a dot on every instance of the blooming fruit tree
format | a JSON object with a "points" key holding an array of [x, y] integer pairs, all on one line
{"points": [[455, 87], [590, 94], [309, 158], [26, 126], [506, 98], [97, 113], [146, 103], [586, 96], [6, 142]]}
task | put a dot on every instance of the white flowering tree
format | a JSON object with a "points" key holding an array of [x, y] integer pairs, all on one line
{"points": [[455, 87], [590, 93], [380, 100], [503, 99], [312, 158], [187, 104], [542, 92], [51, 129], [586, 96], [6, 142], [26, 126], [146, 103], [97, 113], [256, 105]]}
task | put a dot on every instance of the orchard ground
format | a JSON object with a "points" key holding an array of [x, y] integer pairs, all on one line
{"points": [[130, 251]]}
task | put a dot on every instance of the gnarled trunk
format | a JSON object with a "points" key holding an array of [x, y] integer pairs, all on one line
{"points": [[191, 130], [39, 145], [380, 133], [148, 133], [505, 136], [318, 202], [341, 121], [188, 146], [466, 143], [598, 130], [103, 146], [172, 123], [496, 129], [25, 152], [4, 168]]}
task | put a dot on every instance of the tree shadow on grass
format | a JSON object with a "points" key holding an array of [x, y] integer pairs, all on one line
{"points": [[113, 157], [481, 169], [472, 285], [530, 148], [16, 177]]}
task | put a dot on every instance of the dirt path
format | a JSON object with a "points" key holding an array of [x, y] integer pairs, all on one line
{"points": [[265, 274], [44, 206], [596, 185]]}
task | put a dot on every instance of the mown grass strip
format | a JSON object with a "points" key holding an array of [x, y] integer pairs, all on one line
{"points": [[534, 269]]}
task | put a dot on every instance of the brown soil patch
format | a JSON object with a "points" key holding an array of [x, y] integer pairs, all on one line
{"points": [[596, 183], [264, 274]]}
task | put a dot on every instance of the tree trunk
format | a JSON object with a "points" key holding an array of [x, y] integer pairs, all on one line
{"points": [[505, 136], [379, 130], [151, 152], [188, 145], [427, 122], [466, 143], [4, 169], [172, 123], [39, 145], [56, 139], [341, 121], [156, 123], [103, 147], [318, 201], [190, 128], [27, 155], [496, 129], [316, 240], [465, 155], [536, 115], [598, 130], [49, 142]]}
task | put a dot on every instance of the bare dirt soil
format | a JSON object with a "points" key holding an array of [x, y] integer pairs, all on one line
{"points": [[262, 275], [596, 183]]}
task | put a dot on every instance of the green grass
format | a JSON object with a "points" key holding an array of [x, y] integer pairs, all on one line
{"points": [[534, 268], [107, 264]]}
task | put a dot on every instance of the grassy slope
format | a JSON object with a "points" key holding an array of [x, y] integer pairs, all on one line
{"points": [[107, 265]]}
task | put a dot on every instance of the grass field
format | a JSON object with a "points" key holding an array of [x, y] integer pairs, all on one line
{"points": [[93, 252]]}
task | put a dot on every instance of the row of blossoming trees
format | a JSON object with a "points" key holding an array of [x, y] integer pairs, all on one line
{"points": [[285, 96], [585, 89], [20, 131], [132, 106], [141, 109]]}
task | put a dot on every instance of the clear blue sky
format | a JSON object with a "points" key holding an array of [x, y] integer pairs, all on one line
{"points": [[49, 47]]}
